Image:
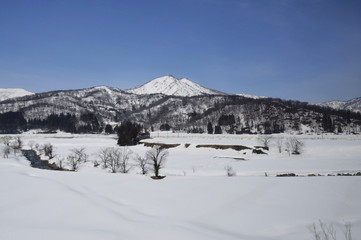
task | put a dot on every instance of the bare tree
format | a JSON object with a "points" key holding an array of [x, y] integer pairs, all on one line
{"points": [[124, 166], [142, 163], [6, 140], [324, 231], [347, 231], [17, 144], [31, 145], [104, 155], [59, 161], [6, 151], [265, 140], [230, 171], [118, 159], [73, 162], [157, 156], [114, 159], [294, 146], [38, 148], [48, 150], [81, 155], [279, 145], [76, 157]]}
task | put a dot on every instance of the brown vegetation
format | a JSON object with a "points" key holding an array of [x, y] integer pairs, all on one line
{"points": [[161, 145], [223, 147]]}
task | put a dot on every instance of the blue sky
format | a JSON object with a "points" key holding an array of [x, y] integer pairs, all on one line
{"points": [[309, 50]]}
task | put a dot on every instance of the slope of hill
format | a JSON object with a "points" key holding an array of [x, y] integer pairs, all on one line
{"points": [[352, 105], [169, 85]]}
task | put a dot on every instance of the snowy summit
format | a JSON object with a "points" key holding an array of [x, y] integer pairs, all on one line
{"points": [[169, 85], [6, 93]]}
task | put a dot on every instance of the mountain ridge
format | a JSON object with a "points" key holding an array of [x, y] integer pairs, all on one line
{"points": [[353, 104], [91, 109]]}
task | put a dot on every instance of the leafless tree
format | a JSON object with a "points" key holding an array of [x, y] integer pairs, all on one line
{"points": [[76, 157], [124, 166], [31, 145], [294, 146], [230, 171], [6, 151], [59, 161], [265, 140], [117, 159], [73, 162], [38, 148], [322, 231], [347, 231], [16, 144], [157, 157], [279, 145], [48, 150], [104, 155], [6, 140], [142, 163], [114, 159]]}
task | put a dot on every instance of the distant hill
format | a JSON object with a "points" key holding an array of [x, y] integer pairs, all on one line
{"points": [[352, 105], [6, 93]]}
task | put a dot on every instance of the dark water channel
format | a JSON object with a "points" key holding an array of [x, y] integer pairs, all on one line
{"points": [[36, 162]]}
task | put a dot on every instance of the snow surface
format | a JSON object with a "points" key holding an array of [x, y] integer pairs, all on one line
{"points": [[6, 93], [170, 85], [195, 201]]}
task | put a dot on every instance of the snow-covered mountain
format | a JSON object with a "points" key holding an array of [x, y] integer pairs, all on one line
{"points": [[169, 103], [352, 105], [6, 93], [171, 86]]}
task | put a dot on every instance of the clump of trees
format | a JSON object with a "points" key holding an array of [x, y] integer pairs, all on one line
{"points": [[76, 157], [115, 159], [10, 143], [294, 146], [128, 133], [118, 160], [12, 122]]}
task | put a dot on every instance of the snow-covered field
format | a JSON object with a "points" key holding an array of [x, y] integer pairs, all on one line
{"points": [[195, 201]]}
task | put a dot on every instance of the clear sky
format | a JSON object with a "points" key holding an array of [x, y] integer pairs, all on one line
{"points": [[309, 50]]}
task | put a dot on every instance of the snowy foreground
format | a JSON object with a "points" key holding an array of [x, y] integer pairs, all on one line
{"points": [[195, 201]]}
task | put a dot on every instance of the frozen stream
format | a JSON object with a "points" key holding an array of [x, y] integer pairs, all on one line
{"points": [[35, 161]]}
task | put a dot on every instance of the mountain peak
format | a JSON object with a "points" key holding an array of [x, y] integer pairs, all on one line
{"points": [[169, 85], [7, 93]]}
